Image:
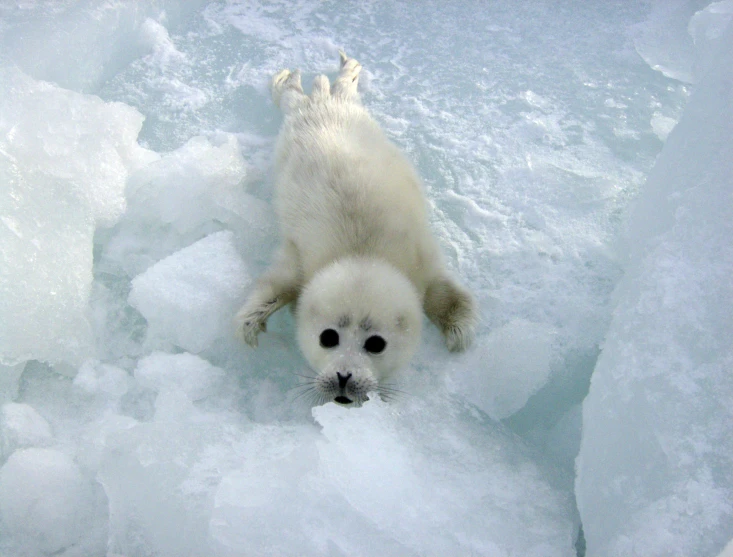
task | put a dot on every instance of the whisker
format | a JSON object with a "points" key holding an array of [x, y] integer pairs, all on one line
{"points": [[392, 390], [386, 392], [301, 375], [305, 393], [302, 385], [389, 393], [322, 399]]}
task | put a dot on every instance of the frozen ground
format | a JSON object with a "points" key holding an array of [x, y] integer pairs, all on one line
{"points": [[594, 229]]}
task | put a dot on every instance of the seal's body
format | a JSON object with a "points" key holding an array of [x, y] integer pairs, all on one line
{"points": [[357, 254]]}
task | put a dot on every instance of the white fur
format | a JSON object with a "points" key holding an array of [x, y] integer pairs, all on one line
{"points": [[359, 298], [356, 244]]}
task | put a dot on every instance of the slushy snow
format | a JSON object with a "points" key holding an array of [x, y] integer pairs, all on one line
{"points": [[577, 162]]}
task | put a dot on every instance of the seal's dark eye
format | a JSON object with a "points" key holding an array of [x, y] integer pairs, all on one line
{"points": [[329, 338], [375, 344]]}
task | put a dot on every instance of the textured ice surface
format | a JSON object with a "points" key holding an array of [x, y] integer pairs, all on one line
{"points": [[21, 426], [106, 37], [126, 245], [189, 298], [655, 470], [507, 366], [679, 38], [187, 373], [46, 504], [422, 479], [64, 159]]}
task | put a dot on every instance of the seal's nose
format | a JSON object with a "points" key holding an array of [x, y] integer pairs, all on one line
{"points": [[343, 379]]}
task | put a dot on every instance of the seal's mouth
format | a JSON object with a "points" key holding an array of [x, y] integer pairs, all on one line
{"points": [[343, 400]]}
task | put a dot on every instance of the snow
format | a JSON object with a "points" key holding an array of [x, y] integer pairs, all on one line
{"points": [[577, 162]]}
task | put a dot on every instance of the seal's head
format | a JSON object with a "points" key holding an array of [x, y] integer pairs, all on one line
{"points": [[359, 321]]}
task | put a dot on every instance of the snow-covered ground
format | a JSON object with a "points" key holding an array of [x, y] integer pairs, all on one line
{"points": [[578, 158]]}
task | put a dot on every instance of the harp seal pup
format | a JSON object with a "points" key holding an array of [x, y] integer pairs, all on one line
{"points": [[357, 256]]}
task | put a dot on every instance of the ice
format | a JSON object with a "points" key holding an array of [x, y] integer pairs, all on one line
{"points": [[102, 379], [664, 42], [87, 144], [136, 145], [21, 426], [679, 37], [193, 376], [416, 481], [662, 125], [46, 504], [728, 551], [186, 195], [107, 36], [64, 159], [509, 365], [563, 439], [189, 298], [160, 476], [655, 467], [194, 184], [9, 379], [706, 28], [394, 468]]}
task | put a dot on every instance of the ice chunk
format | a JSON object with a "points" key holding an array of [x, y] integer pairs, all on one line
{"points": [[21, 426], [188, 194], [198, 182], [87, 144], [193, 376], [393, 468], [163, 50], [706, 28], [679, 39], [46, 503], [662, 125], [64, 159], [102, 379], [505, 368], [160, 478], [413, 480], [655, 467], [45, 268], [663, 41], [277, 483], [189, 298]]}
